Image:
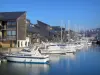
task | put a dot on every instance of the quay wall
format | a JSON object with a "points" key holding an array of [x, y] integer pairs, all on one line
{"points": [[8, 50]]}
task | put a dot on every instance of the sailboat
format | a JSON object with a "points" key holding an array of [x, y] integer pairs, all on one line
{"points": [[57, 47]]}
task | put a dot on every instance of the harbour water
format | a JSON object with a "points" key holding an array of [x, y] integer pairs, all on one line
{"points": [[83, 62]]}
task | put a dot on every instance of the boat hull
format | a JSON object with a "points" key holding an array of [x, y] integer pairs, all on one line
{"points": [[52, 51], [27, 59], [57, 51]]}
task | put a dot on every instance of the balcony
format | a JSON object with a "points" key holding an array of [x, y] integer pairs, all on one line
{"points": [[11, 37], [8, 38], [3, 39]]}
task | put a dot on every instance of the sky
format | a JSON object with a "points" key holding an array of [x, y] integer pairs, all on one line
{"points": [[82, 14]]}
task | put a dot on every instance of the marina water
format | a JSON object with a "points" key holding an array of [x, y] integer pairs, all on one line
{"points": [[83, 62]]}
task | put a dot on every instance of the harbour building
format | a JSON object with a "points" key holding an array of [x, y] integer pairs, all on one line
{"points": [[13, 29]]}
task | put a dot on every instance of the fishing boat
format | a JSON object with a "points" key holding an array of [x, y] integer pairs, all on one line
{"points": [[31, 55]]}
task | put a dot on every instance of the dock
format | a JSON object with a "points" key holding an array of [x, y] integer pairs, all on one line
{"points": [[2, 58]]}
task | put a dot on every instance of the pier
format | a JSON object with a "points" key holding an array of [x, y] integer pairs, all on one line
{"points": [[2, 58]]}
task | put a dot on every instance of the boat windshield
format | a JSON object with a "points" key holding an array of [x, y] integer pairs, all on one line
{"points": [[61, 45], [22, 54], [36, 47], [24, 50], [27, 55], [52, 45]]}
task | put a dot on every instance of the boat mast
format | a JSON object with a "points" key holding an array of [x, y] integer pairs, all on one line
{"points": [[75, 36], [78, 32], [61, 31], [64, 37], [68, 30]]}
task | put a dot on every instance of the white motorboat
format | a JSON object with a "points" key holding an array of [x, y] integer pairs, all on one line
{"points": [[89, 43], [57, 48], [78, 45], [31, 55]]}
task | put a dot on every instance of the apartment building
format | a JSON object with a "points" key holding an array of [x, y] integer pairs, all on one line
{"points": [[13, 28]]}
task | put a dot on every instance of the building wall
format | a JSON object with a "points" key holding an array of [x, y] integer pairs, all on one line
{"points": [[21, 27], [44, 29], [0, 34], [0, 30]]}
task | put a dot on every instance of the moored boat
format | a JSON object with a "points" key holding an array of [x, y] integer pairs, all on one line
{"points": [[56, 48], [28, 56]]}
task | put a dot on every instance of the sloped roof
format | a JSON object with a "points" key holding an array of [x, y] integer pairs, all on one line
{"points": [[33, 29], [42, 23], [10, 15]]}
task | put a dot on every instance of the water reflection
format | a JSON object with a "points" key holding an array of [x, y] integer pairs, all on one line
{"points": [[24, 69], [69, 56], [96, 49], [83, 62], [54, 58]]}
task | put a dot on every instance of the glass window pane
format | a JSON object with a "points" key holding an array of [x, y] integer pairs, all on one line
{"points": [[9, 26], [8, 23], [13, 32], [13, 26], [8, 32], [13, 23]]}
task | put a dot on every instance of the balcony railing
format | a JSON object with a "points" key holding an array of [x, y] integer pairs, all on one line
{"points": [[11, 37], [8, 38], [3, 39]]}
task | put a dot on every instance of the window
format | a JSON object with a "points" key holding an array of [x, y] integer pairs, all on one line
{"points": [[13, 32], [11, 24], [8, 32], [8, 23], [11, 35]]}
